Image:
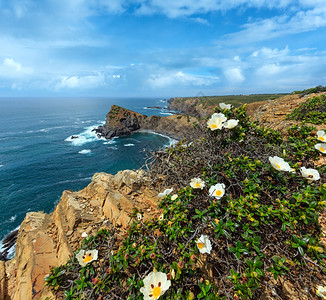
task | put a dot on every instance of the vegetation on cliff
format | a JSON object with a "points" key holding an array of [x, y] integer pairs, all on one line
{"points": [[241, 220], [312, 111]]}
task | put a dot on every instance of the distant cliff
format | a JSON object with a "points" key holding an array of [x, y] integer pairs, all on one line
{"points": [[191, 106], [121, 121]]}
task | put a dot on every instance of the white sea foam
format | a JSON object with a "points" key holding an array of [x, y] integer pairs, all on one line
{"points": [[129, 145], [111, 142], [87, 136], [85, 151], [113, 147], [171, 141], [1, 166], [13, 218], [166, 113], [11, 252]]}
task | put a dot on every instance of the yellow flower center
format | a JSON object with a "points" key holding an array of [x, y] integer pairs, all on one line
{"points": [[278, 166], [87, 259], [322, 138], [322, 149], [200, 245], [214, 126], [157, 292], [218, 193], [197, 184]]}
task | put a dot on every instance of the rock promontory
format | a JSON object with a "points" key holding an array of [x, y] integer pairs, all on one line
{"points": [[121, 121]]}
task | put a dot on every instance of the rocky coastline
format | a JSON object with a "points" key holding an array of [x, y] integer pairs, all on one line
{"points": [[121, 121]]}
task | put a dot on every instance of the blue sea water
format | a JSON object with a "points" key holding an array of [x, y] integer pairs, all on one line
{"points": [[38, 158]]}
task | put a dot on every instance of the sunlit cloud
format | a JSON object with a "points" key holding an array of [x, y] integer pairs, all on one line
{"points": [[11, 69], [180, 78], [81, 82]]}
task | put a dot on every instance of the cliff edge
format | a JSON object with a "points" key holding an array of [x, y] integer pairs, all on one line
{"points": [[46, 240]]}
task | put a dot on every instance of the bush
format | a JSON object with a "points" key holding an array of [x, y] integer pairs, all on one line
{"points": [[312, 111]]}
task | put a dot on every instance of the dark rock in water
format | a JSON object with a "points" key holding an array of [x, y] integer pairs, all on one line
{"points": [[74, 137], [8, 242], [155, 107], [121, 121]]}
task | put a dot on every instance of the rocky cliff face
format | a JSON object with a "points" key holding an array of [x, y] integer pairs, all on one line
{"points": [[121, 121], [193, 107], [46, 240]]}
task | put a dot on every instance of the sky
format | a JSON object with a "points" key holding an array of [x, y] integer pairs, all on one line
{"points": [[160, 48]]}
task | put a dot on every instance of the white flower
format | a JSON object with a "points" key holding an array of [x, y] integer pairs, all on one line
{"points": [[231, 123], [161, 217], [219, 116], [217, 190], [321, 291], [310, 174], [165, 193], [85, 257], [321, 135], [84, 234], [197, 183], [216, 121], [175, 196], [225, 106], [204, 244], [321, 148], [155, 285], [139, 216], [279, 164], [214, 124]]}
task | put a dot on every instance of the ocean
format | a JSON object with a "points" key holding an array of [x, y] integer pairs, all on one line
{"points": [[39, 159]]}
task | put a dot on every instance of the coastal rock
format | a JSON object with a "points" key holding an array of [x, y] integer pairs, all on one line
{"points": [[121, 121], [193, 106], [46, 240]]}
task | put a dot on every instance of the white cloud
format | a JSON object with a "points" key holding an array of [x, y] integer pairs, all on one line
{"points": [[11, 68], [182, 8], [234, 75], [81, 82], [180, 78]]}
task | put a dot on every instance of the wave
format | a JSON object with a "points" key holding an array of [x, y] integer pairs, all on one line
{"points": [[129, 145], [166, 113], [13, 218], [2, 166], [11, 252], [46, 130], [85, 151], [111, 142], [171, 141], [113, 147], [87, 136]]}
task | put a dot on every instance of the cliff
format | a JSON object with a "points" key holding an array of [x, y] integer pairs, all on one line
{"points": [[192, 106], [121, 121], [46, 240]]}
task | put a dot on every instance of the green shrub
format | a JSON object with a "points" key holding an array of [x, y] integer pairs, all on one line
{"points": [[312, 111]]}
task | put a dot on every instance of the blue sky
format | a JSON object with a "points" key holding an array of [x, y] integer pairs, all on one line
{"points": [[160, 47]]}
